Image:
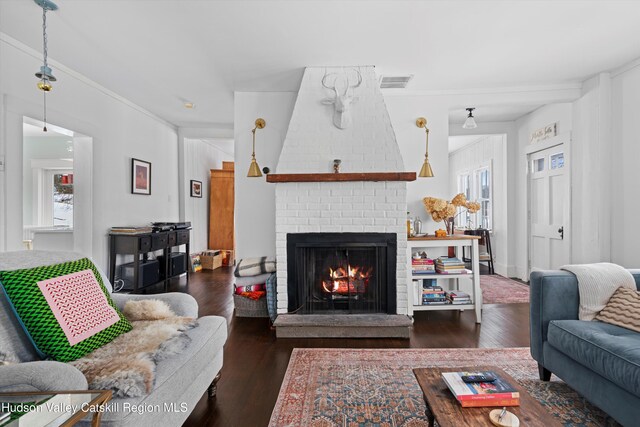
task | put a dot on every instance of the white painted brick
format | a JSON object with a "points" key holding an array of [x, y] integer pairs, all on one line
{"points": [[330, 214], [297, 221], [363, 221], [384, 221], [341, 221], [384, 206], [374, 214]]}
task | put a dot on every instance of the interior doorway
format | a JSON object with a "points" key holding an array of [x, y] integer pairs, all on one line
{"points": [[56, 188], [549, 207]]}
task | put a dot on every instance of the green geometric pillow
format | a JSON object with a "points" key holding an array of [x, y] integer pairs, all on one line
{"points": [[64, 308]]}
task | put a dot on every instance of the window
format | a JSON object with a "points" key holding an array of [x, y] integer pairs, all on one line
{"points": [[556, 161], [63, 199], [477, 186]]}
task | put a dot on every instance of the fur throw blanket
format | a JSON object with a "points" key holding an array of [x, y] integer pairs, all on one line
{"points": [[127, 365]]}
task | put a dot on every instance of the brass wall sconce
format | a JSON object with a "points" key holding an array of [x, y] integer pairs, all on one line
{"points": [[426, 171], [254, 169]]}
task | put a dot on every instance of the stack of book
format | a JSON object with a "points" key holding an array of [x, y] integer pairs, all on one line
{"points": [[496, 393], [131, 230], [433, 295], [446, 265], [457, 297], [422, 266]]}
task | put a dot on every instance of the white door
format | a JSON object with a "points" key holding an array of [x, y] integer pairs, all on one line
{"points": [[549, 209]]}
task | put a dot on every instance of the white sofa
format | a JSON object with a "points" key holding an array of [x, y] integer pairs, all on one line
{"points": [[181, 379]]}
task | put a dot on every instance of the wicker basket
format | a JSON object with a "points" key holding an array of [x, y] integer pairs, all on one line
{"points": [[247, 307]]}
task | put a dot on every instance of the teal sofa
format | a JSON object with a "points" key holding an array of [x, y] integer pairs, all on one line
{"points": [[598, 360]]}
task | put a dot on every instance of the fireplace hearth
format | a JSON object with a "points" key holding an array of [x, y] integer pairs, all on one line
{"points": [[341, 273]]}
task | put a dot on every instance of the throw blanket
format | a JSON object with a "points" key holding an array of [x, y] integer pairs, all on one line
{"points": [[127, 365], [597, 283], [255, 266]]}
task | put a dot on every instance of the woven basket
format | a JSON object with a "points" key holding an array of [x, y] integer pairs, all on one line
{"points": [[247, 307]]}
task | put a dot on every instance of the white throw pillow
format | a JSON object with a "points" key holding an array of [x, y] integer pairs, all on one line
{"points": [[596, 285]]}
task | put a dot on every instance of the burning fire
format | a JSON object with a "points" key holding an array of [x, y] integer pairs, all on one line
{"points": [[347, 281]]}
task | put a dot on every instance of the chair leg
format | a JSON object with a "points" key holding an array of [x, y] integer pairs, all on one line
{"points": [[545, 374], [213, 388]]}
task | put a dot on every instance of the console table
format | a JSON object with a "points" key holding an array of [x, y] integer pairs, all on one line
{"points": [[137, 244]]}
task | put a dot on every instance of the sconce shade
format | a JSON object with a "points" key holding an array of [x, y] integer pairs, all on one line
{"points": [[426, 171], [254, 170]]}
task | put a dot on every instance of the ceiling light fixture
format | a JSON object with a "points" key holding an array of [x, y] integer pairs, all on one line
{"points": [[189, 105], [45, 74], [470, 123], [254, 169], [425, 171]]}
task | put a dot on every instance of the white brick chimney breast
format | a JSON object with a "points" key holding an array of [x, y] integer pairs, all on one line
{"points": [[367, 145]]}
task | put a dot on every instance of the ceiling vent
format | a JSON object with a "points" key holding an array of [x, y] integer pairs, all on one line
{"points": [[395, 82]]}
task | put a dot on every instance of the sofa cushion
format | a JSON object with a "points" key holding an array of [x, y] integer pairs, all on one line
{"points": [[609, 350], [623, 309], [65, 308], [177, 377]]}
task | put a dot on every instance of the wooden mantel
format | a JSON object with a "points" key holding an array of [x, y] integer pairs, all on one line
{"points": [[341, 177]]}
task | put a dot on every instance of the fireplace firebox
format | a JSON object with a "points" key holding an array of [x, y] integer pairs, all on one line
{"points": [[331, 273]]}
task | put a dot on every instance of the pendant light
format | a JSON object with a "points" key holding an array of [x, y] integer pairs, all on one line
{"points": [[425, 171], [470, 123], [45, 74], [254, 169]]}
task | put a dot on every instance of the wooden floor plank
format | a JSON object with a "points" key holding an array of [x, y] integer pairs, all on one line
{"points": [[255, 361]]}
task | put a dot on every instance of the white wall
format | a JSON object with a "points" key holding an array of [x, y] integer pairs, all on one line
{"points": [[404, 110], [489, 150], [625, 178], [200, 158], [255, 198], [120, 131], [591, 172]]}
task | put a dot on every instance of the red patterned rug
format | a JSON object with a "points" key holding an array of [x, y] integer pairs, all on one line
{"points": [[500, 290], [376, 387]]}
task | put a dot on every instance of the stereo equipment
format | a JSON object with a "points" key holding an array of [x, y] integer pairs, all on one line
{"points": [[177, 263], [148, 273]]}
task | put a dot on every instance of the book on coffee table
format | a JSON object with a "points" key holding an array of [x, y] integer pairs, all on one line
{"points": [[496, 393]]}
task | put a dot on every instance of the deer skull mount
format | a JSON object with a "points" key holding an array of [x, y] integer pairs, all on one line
{"points": [[342, 98]]}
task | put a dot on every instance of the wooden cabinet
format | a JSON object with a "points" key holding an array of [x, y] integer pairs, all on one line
{"points": [[221, 209]]}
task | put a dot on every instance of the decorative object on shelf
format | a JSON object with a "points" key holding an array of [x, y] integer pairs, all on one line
{"points": [[266, 170], [470, 123], [254, 169], [196, 188], [341, 101], [336, 165], [425, 171], [140, 177], [417, 226], [442, 210], [45, 74]]}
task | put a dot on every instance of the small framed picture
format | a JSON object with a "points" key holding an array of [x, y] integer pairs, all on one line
{"points": [[196, 188], [140, 177]]}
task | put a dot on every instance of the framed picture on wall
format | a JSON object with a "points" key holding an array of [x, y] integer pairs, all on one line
{"points": [[140, 177], [196, 188]]}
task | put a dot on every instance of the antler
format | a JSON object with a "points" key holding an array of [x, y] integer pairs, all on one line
{"points": [[324, 81], [359, 79]]}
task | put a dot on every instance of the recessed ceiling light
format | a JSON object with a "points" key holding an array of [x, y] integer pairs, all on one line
{"points": [[189, 105]]}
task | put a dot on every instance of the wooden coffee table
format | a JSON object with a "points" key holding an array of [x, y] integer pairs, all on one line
{"points": [[443, 406]]}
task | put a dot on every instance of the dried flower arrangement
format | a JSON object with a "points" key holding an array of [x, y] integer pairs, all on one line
{"points": [[442, 210]]}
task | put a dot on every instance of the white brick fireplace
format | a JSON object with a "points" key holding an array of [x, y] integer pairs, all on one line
{"points": [[367, 146]]}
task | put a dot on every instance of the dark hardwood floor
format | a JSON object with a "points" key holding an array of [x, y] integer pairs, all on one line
{"points": [[255, 361]]}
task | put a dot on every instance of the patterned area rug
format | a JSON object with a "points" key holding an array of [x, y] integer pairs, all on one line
{"points": [[376, 387], [500, 290]]}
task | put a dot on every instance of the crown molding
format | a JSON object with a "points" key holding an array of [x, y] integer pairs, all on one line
{"points": [[626, 67], [485, 91], [5, 38]]}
